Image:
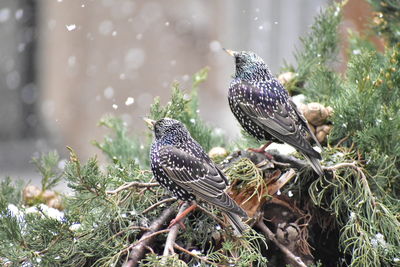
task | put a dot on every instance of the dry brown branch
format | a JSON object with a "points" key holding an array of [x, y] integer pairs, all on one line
{"points": [[139, 247], [131, 184], [341, 141], [158, 204], [149, 236], [280, 163], [295, 260], [283, 160], [278, 184], [173, 233], [194, 255]]}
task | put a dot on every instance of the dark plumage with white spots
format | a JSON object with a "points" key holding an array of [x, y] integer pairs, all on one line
{"points": [[180, 165], [264, 109]]}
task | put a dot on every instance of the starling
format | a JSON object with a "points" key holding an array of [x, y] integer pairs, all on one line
{"points": [[181, 166], [264, 109]]}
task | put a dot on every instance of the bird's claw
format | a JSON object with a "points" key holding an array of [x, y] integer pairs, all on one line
{"points": [[175, 221], [262, 151]]}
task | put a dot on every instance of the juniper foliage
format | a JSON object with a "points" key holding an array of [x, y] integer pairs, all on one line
{"points": [[316, 56], [363, 197], [387, 19]]}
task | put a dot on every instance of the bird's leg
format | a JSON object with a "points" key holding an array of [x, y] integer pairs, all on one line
{"points": [[181, 216], [262, 150]]}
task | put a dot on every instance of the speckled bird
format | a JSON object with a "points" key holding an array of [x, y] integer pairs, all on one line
{"points": [[181, 166], [264, 109]]}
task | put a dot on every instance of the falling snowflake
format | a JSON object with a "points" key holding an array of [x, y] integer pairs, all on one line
{"points": [[4, 14], [70, 27], [129, 101], [215, 46], [108, 92], [19, 13]]}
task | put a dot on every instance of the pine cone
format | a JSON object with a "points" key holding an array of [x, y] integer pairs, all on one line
{"points": [[322, 131], [30, 194], [286, 77], [315, 113]]}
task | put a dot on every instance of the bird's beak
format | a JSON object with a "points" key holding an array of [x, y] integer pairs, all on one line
{"points": [[149, 122], [230, 52]]}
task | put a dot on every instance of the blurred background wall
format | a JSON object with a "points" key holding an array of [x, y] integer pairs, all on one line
{"points": [[66, 63]]}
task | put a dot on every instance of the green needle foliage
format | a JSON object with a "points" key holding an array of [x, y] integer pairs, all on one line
{"points": [[184, 107], [120, 146], [364, 198], [47, 167], [315, 57], [387, 19]]}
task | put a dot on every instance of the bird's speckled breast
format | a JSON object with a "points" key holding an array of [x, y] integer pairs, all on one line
{"points": [[236, 93]]}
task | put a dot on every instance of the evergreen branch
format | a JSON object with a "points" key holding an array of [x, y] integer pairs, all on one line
{"points": [[173, 233], [139, 247], [47, 167], [268, 233], [158, 204], [386, 19], [120, 146], [131, 184], [353, 165], [195, 255], [319, 48], [42, 252]]}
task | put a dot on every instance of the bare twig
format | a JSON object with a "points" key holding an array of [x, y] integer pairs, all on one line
{"points": [[344, 165], [293, 258], [139, 247], [341, 141], [194, 255], [144, 238], [158, 204], [150, 249], [173, 233], [131, 184], [287, 160]]}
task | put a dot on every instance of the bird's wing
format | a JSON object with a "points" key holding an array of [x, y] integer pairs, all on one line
{"points": [[272, 111], [197, 176], [305, 124]]}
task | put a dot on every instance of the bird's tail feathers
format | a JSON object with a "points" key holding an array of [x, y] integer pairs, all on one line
{"points": [[315, 164], [236, 223]]}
